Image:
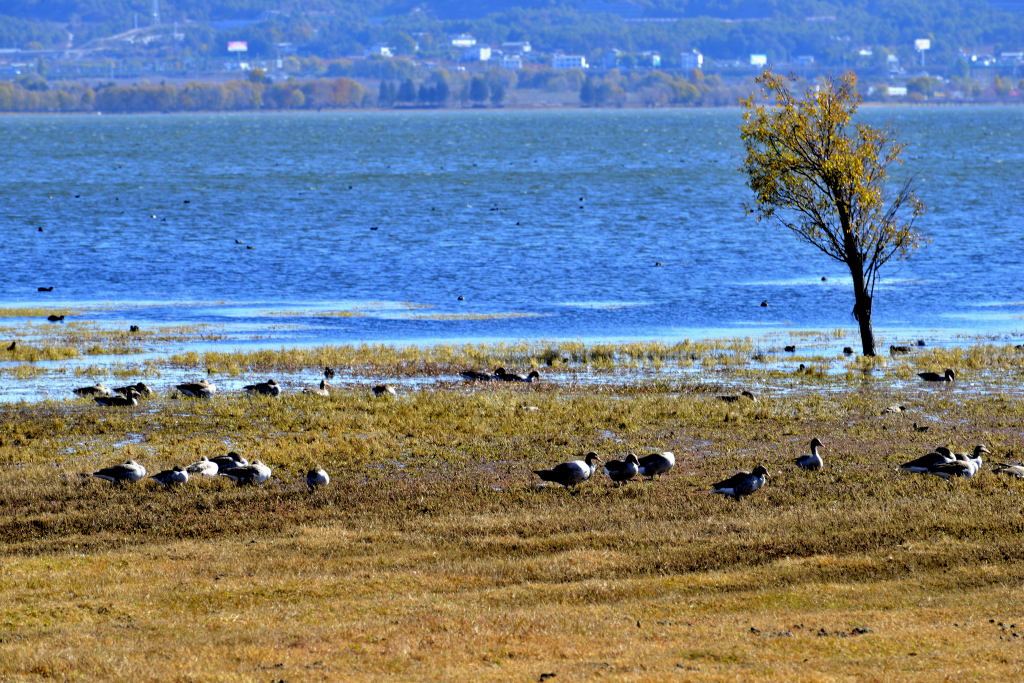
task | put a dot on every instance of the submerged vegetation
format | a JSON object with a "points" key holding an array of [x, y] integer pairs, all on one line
{"points": [[434, 527]]}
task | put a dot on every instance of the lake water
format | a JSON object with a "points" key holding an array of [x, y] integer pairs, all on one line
{"points": [[549, 225]]}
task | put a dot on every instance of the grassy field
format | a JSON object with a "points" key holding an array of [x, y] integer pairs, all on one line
{"points": [[434, 554]]}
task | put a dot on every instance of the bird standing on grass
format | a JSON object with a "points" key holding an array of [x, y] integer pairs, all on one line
{"points": [[127, 473], [384, 390], [654, 464], [572, 473], [621, 471], [813, 461], [742, 483], [316, 478]]}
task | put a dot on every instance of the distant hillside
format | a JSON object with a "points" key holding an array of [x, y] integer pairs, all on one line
{"points": [[831, 32]]}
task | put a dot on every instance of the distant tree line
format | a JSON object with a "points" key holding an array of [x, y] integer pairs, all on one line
{"points": [[442, 88], [31, 95]]}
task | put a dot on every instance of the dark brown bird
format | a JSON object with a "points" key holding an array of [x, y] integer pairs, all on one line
{"points": [[44, 289], [13, 346], [384, 390], [53, 318]]}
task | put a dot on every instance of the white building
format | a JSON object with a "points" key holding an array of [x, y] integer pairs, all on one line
{"points": [[463, 40], [691, 60], [561, 62], [476, 54], [517, 47], [514, 62]]}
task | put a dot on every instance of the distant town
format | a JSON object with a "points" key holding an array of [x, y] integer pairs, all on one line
{"points": [[166, 61]]}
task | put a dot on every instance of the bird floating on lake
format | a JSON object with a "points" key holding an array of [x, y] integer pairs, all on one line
{"points": [[94, 390], [127, 473], [504, 376], [131, 398], [142, 388], [54, 318], [268, 388], [572, 473], [813, 461], [896, 350], [621, 471], [742, 483], [947, 376], [476, 376]]}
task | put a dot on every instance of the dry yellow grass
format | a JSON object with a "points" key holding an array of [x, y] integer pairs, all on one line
{"points": [[433, 554]]}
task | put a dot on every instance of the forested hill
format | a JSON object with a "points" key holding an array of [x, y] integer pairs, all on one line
{"points": [[726, 29]]}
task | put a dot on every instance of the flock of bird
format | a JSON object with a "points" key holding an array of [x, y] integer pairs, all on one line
{"points": [[941, 462], [233, 466]]}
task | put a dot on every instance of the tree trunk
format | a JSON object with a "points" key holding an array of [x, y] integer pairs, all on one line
{"points": [[862, 311]]}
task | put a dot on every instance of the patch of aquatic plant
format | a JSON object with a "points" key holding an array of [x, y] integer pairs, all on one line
{"points": [[31, 353], [37, 312]]}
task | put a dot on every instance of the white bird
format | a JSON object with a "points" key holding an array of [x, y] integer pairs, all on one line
{"points": [[742, 483], [813, 461], [652, 465], [172, 477], [130, 472], [323, 390], [572, 473], [204, 467], [317, 477]]}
